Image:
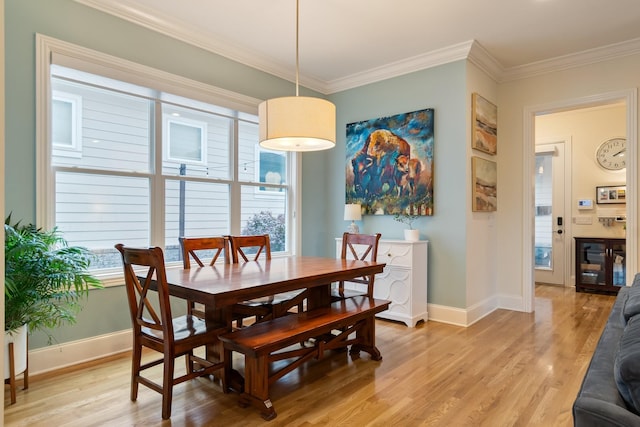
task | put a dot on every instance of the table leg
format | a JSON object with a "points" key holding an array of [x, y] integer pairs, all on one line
{"points": [[366, 337], [215, 352], [319, 296], [256, 394]]}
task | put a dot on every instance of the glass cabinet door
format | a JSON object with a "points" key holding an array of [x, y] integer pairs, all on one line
{"points": [[592, 261], [618, 259]]}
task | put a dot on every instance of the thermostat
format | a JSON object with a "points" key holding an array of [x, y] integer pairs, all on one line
{"points": [[585, 204]]}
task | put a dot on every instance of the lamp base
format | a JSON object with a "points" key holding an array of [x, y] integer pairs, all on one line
{"points": [[353, 228]]}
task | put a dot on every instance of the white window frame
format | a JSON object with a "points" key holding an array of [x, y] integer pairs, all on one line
{"points": [[267, 192], [202, 126], [78, 57], [75, 148]]}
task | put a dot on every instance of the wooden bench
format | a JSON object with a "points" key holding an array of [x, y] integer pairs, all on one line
{"points": [[262, 343]]}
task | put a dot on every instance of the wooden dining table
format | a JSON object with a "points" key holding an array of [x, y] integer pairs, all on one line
{"points": [[220, 286]]}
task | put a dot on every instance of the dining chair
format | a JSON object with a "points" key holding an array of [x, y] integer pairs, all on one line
{"points": [[155, 328], [251, 248], [209, 246], [361, 247], [191, 246]]}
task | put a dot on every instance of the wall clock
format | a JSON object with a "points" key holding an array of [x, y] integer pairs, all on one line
{"points": [[612, 154]]}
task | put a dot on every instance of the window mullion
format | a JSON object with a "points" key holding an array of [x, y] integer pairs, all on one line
{"points": [[157, 213], [235, 204]]}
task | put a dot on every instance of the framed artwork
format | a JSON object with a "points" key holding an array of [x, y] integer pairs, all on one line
{"points": [[484, 174], [611, 194], [389, 164], [484, 119]]}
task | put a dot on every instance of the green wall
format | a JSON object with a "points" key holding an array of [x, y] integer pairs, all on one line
{"points": [[441, 88]]}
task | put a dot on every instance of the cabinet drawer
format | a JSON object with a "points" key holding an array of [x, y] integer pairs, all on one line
{"points": [[397, 254]]}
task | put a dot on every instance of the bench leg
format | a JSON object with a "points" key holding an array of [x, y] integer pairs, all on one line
{"points": [[366, 340], [256, 386]]}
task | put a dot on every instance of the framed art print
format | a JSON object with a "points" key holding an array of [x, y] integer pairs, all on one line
{"points": [[485, 125], [484, 174], [389, 164], [611, 194]]}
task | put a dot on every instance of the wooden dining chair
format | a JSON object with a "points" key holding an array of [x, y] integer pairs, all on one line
{"points": [[159, 331], [251, 248], [362, 247], [197, 247], [213, 246]]}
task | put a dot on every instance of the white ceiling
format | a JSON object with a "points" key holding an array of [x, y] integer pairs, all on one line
{"points": [[344, 43]]}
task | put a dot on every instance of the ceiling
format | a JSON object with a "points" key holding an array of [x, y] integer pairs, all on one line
{"points": [[346, 43]]}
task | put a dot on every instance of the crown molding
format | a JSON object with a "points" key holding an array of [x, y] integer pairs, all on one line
{"points": [[481, 58], [405, 66], [574, 60], [225, 48], [470, 50]]}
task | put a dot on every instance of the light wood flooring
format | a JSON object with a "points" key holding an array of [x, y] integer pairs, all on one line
{"points": [[508, 369]]}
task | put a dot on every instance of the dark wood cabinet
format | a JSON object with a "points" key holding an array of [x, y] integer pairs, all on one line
{"points": [[600, 264]]}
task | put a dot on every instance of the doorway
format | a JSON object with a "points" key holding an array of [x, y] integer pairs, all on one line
{"points": [[629, 98], [552, 191]]}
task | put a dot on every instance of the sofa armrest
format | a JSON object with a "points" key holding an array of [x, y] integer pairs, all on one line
{"points": [[591, 412]]}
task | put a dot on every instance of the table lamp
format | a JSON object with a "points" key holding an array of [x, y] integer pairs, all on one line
{"points": [[352, 212]]}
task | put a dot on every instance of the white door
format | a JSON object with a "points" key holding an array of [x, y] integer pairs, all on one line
{"points": [[550, 221]]}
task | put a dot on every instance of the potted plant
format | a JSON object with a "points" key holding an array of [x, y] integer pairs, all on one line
{"points": [[405, 218], [44, 281]]}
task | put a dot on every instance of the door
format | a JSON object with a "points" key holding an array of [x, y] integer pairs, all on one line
{"points": [[550, 222]]}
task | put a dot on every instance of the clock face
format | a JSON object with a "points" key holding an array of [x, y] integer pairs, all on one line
{"points": [[612, 154]]}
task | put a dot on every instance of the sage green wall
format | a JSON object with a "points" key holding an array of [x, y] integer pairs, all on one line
{"points": [[105, 311], [442, 88]]}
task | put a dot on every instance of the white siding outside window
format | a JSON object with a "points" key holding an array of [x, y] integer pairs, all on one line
{"points": [[154, 166], [66, 132]]}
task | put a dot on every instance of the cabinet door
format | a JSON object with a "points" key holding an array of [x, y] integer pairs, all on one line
{"points": [[617, 250], [591, 261]]}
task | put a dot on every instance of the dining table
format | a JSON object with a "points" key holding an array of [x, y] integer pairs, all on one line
{"points": [[222, 285]]}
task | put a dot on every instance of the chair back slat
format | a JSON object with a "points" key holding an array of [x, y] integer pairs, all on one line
{"points": [[191, 245], [259, 243], [143, 301], [361, 247]]}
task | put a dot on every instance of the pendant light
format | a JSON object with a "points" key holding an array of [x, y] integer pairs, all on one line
{"points": [[297, 123]]}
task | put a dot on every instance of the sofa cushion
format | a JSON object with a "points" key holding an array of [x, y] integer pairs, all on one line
{"points": [[626, 367], [631, 303]]}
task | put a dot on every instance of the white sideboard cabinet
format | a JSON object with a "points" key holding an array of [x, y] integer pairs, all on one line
{"points": [[403, 281]]}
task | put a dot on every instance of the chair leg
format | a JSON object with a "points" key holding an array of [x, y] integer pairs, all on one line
{"points": [[12, 374], [25, 376], [135, 369], [189, 361], [167, 385]]}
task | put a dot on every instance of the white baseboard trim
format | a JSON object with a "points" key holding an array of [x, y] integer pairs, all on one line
{"points": [[59, 356], [446, 314], [510, 302], [463, 316]]}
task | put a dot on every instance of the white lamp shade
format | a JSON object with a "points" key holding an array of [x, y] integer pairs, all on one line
{"points": [[352, 212], [297, 123]]}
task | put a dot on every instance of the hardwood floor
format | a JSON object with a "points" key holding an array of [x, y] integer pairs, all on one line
{"points": [[508, 369]]}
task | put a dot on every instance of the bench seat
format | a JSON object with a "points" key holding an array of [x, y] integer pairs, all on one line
{"points": [[267, 342]]}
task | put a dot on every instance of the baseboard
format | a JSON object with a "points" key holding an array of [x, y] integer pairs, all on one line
{"points": [[463, 316], [446, 314], [71, 353]]}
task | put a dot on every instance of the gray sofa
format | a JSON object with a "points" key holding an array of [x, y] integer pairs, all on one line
{"points": [[610, 391]]}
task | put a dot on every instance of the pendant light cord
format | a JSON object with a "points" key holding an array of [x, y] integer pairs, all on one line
{"points": [[297, 48]]}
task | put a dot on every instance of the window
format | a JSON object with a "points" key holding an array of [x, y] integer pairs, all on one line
{"points": [[186, 142], [272, 167], [153, 165], [66, 132]]}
